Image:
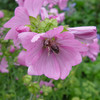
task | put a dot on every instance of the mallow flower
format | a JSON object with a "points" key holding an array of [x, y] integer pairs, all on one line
{"points": [[93, 50], [52, 53], [21, 18], [1, 14], [85, 33], [3, 66], [61, 3], [53, 2], [12, 49], [52, 13]]}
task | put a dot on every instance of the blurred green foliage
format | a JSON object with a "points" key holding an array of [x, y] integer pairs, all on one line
{"points": [[87, 14], [8, 4]]}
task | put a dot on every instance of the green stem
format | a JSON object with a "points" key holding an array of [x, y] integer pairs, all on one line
{"points": [[31, 97]]}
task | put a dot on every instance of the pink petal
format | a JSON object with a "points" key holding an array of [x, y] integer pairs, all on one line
{"points": [[54, 32], [36, 37], [62, 4], [54, 11], [53, 1], [67, 40], [67, 58], [33, 7], [12, 34], [4, 70], [94, 47], [4, 63], [65, 35], [46, 65], [12, 49], [25, 38], [84, 34], [44, 13], [21, 29], [65, 68], [62, 17], [21, 18], [71, 55], [34, 52], [1, 14], [20, 2], [3, 66], [21, 58]]}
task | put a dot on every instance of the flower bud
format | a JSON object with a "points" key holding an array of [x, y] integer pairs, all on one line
{"points": [[27, 79], [21, 29], [12, 49], [59, 85], [34, 88], [46, 90]]}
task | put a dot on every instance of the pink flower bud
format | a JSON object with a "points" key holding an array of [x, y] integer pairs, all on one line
{"points": [[41, 92], [17, 78], [12, 49], [21, 29]]}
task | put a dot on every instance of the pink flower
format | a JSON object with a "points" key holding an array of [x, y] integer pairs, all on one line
{"points": [[21, 58], [1, 14], [12, 49], [3, 66], [17, 78], [50, 84], [41, 92], [54, 2], [52, 53], [21, 18], [62, 4], [0, 53], [53, 13], [38, 96], [1, 31], [20, 2], [93, 50], [50, 6], [85, 33]]}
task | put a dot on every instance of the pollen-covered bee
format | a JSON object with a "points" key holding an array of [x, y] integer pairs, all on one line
{"points": [[51, 45]]}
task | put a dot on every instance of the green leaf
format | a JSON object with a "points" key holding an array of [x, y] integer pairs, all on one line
{"points": [[65, 28], [49, 24], [39, 26]]}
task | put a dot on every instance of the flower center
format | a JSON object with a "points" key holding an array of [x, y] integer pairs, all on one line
{"points": [[51, 45]]}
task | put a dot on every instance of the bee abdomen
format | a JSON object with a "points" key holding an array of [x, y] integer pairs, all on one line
{"points": [[55, 48]]}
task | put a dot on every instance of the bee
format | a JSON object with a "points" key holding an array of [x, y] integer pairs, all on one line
{"points": [[51, 45], [55, 48]]}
